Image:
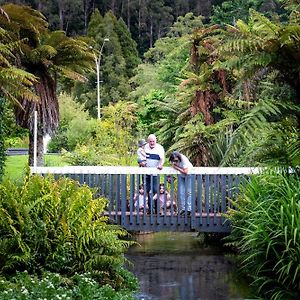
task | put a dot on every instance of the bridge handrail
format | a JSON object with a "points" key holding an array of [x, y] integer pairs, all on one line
{"points": [[137, 170], [209, 189]]}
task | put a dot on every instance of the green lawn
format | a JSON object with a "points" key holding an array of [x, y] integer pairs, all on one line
{"points": [[16, 166]]}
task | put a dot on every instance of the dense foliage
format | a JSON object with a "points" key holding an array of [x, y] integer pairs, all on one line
{"points": [[113, 141], [75, 126], [224, 92], [265, 230], [147, 20], [57, 225], [234, 98]]}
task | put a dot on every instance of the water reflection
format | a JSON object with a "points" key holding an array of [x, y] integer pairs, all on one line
{"points": [[173, 266]]}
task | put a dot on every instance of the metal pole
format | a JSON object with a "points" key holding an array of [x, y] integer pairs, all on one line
{"points": [[35, 141], [98, 88], [98, 62]]}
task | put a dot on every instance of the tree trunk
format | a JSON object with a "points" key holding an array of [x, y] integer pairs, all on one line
{"points": [[128, 14], [39, 6], [61, 14], [151, 33], [85, 11], [40, 148], [47, 111], [139, 19], [113, 6]]}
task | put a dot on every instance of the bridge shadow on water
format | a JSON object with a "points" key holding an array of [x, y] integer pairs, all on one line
{"points": [[180, 266]]}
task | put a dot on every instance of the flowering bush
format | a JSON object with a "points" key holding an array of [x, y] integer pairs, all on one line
{"points": [[55, 286]]}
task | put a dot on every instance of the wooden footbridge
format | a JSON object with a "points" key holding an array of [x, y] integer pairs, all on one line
{"points": [[211, 190]]}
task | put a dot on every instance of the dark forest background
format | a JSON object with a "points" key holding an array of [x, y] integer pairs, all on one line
{"points": [[147, 20]]}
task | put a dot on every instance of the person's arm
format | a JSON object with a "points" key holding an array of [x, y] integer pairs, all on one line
{"points": [[162, 159], [181, 170], [168, 196]]}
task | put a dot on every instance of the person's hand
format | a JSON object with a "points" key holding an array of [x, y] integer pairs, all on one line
{"points": [[142, 164], [174, 165], [159, 167]]}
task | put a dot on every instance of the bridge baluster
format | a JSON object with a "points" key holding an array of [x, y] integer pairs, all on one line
{"points": [[210, 190]]}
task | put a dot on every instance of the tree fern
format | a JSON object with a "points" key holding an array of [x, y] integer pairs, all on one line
{"points": [[255, 121]]}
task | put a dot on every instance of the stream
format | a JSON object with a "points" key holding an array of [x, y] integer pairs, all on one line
{"points": [[180, 266]]}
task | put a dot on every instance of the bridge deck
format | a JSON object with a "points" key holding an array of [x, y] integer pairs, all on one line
{"points": [[210, 193], [137, 221]]}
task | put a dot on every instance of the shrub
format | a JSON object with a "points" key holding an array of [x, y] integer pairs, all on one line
{"points": [[266, 231], [58, 226], [113, 143], [54, 286], [75, 126]]}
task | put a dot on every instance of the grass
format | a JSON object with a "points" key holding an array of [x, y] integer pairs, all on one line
{"points": [[16, 166]]}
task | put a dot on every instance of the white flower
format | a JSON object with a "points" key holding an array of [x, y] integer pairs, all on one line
{"points": [[24, 290], [50, 285]]}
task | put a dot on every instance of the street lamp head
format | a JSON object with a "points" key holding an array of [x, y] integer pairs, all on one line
{"points": [[106, 40]]}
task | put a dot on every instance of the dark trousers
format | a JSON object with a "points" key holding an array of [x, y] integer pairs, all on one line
{"points": [[151, 189]]}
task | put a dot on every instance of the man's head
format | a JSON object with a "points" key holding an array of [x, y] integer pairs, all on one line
{"points": [[152, 140]]}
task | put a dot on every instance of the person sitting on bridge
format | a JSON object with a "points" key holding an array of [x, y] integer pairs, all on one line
{"points": [[140, 199], [165, 198]]}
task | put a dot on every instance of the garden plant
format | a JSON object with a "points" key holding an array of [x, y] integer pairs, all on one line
{"points": [[57, 226], [266, 233]]}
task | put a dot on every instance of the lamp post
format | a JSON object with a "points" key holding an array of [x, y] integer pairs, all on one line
{"points": [[98, 61]]}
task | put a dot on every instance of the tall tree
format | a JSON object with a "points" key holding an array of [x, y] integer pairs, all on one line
{"points": [[261, 50], [47, 55], [118, 59], [14, 82], [129, 48]]}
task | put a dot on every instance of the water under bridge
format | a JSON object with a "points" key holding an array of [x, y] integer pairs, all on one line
{"points": [[212, 189]]}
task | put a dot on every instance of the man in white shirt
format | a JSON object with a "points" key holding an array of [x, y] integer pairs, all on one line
{"points": [[155, 154]]}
